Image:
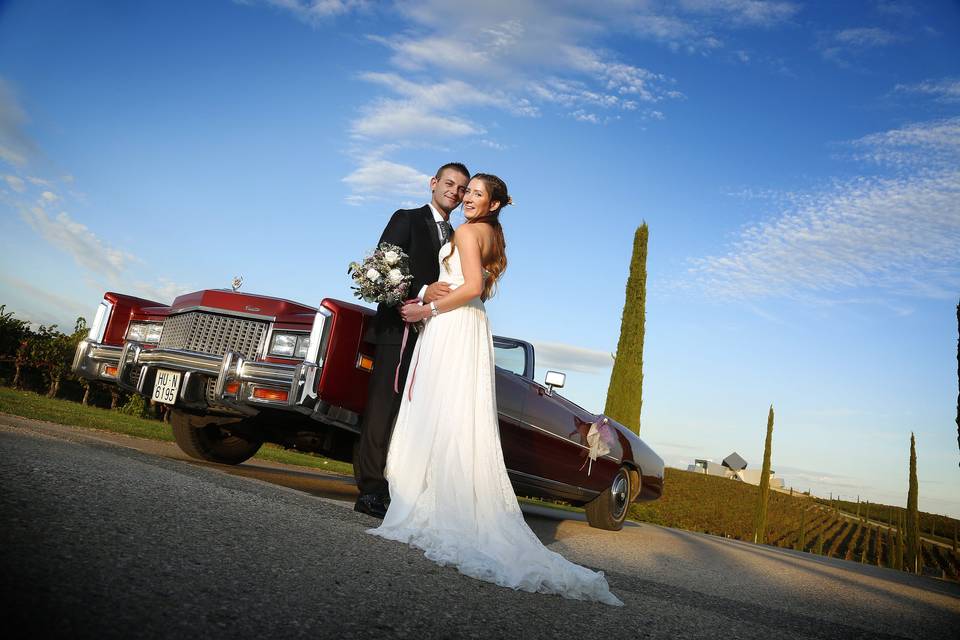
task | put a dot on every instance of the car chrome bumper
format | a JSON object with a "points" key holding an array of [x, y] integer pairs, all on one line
{"points": [[133, 367]]}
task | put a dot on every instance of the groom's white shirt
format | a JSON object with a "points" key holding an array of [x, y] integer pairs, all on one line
{"points": [[436, 218]]}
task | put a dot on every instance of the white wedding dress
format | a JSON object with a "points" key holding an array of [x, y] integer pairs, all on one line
{"points": [[449, 491]]}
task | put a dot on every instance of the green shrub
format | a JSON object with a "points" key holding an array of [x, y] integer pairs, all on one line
{"points": [[137, 406]]}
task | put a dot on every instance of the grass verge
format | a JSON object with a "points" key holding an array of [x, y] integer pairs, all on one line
{"points": [[38, 407]]}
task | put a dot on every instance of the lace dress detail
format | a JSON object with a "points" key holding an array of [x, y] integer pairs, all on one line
{"points": [[450, 494]]}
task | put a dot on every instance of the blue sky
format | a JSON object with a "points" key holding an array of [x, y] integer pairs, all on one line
{"points": [[798, 165]]}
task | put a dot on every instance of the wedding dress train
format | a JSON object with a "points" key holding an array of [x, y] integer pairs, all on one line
{"points": [[449, 491]]}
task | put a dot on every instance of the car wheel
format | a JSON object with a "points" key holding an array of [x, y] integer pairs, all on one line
{"points": [[609, 509], [210, 441]]}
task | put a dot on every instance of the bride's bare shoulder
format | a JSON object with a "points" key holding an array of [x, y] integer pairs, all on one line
{"points": [[471, 232]]}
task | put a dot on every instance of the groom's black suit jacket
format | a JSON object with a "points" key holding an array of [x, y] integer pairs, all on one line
{"points": [[414, 231]]}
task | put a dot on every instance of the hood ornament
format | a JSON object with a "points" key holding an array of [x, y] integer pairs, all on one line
{"points": [[237, 282]]}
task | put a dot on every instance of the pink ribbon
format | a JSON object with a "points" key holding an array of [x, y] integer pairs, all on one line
{"points": [[403, 347]]}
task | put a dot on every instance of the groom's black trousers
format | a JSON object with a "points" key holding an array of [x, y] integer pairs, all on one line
{"points": [[380, 414]]}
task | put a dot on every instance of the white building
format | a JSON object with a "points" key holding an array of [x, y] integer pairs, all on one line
{"points": [[734, 467]]}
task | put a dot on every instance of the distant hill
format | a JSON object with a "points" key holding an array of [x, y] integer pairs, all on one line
{"points": [[724, 507]]}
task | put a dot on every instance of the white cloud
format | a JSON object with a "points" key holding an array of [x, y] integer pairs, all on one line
{"points": [[565, 357], [16, 147], [899, 235], [493, 144], [40, 306], [664, 28], [842, 45], [452, 63], [313, 12], [617, 77], [433, 95], [163, 290], [945, 90], [15, 183], [866, 37], [451, 93], [759, 13], [377, 178], [79, 242], [927, 144], [584, 116], [394, 120], [425, 109]]}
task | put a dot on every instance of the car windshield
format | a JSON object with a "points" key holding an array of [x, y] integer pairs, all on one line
{"points": [[510, 357]]}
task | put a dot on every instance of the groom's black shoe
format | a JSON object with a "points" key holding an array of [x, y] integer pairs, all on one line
{"points": [[372, 505]]}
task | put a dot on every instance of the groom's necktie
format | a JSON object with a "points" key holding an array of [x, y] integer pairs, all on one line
{"points": [[446, 230]]}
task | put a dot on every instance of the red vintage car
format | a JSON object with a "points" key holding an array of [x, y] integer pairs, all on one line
{"points": [[238, 370]]}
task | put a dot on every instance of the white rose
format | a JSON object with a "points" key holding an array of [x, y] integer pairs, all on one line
{"points": [[373, 275], [391, 257], [395, 276]]}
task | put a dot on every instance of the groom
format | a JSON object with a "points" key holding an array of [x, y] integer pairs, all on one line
{"points": [[420, 233]]}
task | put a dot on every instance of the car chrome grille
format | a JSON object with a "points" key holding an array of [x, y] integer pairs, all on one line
{"points": [[212, 333]]}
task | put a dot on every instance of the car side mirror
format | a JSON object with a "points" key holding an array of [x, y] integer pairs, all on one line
{"points": [[554, 380]]}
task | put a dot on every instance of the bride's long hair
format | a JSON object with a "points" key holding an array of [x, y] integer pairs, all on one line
{"points": [[497, 264]]}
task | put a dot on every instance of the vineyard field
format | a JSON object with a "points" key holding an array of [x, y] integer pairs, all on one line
{"points": [[724, 507]]}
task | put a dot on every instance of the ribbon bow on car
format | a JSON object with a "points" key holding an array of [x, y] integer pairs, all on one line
{"points": [[600, 439]]}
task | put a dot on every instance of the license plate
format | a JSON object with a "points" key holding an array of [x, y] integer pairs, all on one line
{"points": [[165, 388]]}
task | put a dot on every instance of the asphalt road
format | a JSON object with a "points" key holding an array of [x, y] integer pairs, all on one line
{"points": [[113, 537]]}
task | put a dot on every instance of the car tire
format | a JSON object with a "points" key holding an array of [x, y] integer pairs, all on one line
{"points": [[209, 441], [609, 509]]}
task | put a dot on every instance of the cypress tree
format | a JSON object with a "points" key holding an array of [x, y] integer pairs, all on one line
{"points": [[625, 392], [803, 529], [899, 557], [958, 375], [878, 546], [760, 517], [913, 522], [891, 548]]}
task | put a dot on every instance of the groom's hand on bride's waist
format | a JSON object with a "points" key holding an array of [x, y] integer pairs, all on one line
{"points": [[435, 292]]}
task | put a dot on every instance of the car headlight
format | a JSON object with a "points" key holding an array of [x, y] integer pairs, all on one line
{"points": [[289, 345], [145, 332], [303, 343]]}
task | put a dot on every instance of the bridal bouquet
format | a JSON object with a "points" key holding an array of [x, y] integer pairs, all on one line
{"points": [[383, 276]]}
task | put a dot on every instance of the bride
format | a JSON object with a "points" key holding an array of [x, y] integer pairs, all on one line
{"points": [[449, 490]]}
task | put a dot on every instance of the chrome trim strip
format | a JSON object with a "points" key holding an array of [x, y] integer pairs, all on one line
{"points": [[182, 360], [551, 433], [99, 327], [223, 312], [563, 486], [128, 356], [265, 373], [319, 334], [223, 375]]}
